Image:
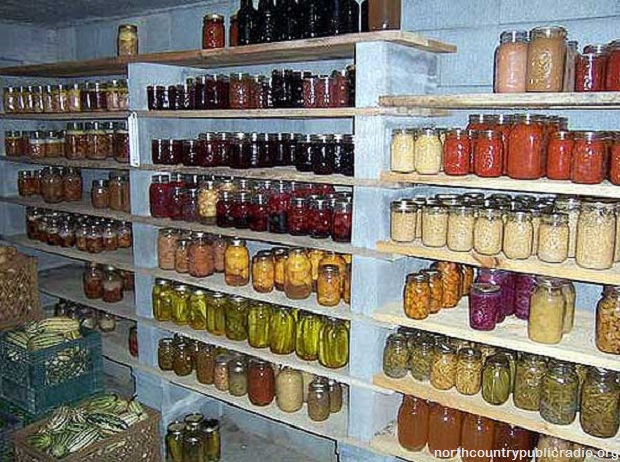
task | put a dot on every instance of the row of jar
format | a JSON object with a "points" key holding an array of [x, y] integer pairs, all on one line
{"points": [[262, 382], [275, 208], [296, 272], [282, 329], [519, 54], [448, 432], [552, 230], [282, 89], [53, 184], [557, 390], [318, 154], [104, 282], [77, 97], [521, 147], [90, 140], [88, 234], [194, 438]]}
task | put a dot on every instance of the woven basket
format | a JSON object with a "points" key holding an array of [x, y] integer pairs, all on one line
{"points": [[139, 443], [19, 291]]}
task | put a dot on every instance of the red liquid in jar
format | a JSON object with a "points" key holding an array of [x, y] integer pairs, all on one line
{"points": [[457, 152], [589, 158], [559, 152], [525, 148], [488, 154]]}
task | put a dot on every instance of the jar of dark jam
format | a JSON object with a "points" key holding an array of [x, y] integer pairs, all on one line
{"points": [[177, 196], [255, 148], [207, 148], [189, 206], [161, 98], [120, 147], [281, 153], [101, 99], [160, 151], [342, 221], [240, 91], [150, 98], [259, 212], [191, 156], [224, 210], [160, 196], [241, 210], [266, 152], [223, 149], [298, 217], [319, 218], [280, 89], [303, 156], [311, 92], [278, 208], [323, 156], [344, 155], [339, 91], [240, 152]]}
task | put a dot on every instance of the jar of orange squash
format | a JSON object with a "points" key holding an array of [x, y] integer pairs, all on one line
{"points": [[263, 272], [298, 275], [436, 286], [237, 263], [451, 279]]}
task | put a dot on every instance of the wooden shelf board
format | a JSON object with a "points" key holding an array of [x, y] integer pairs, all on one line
{"points": [[507, 412], [566, 270], [335, 427], [598, 100], [578, 346], [62, 162], [106, 115], [82, 207], [66, 283], [337, 47], [121, 259], [543, 185], [341, 375], [216, 283]]}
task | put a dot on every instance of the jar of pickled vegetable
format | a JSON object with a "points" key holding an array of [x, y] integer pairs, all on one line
{"points": [[559, 395], [298, 275], [221, 372], [180, 305], [237, 319], [237, 378], [529, 374], [496, 380], [167, 241], [205, 364], [261, 383], [174, 441], [308, 331], [259, 319], [444, 429], [396, 356], [282, 330], [421, 357], [518, 235], [329, 285], [608, 321], [469, 371], [412, 430], [600, 403], [484, 306], [443, 367], [318, 401], [451, 279], [165, 354], [434, 225], [182, 362], [547, 311], [289, 391], [197, 310], [417, 296], [596, 235], [237, 263], [216, 313], [263, 272], [334, 344]]}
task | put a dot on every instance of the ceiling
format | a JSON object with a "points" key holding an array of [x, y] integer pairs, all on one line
{"points": [[53, 12]]}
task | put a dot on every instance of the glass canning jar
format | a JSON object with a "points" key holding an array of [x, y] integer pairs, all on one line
{"points": [[213, 34], [334, 344], [298, 275], [112, 286], [488, 153], [182, 359], [318, 402], [297, 216], [396, 356], [460, 233], [518, 235], [174, 441], [496, 381], [342, 220], [443, 367], [109, 237], [329, 285], [200, 255], [216, 313], [237, 263], [546, 59], [320, 217], [237, 378], [160, 196], [547, 312], [434, 225], [241, 210], [468, 371], [167, 242], [237, 318], [161, 300], [402, 151], [289, 390], [559, 395], [596, 225], [263, 272], [444, 429], [417, 296], [92, 279], [484, 306], [511, 62], [205, 363], [308, 330], [526, 145], [259, 316], [282, 330], [600, 403], [452, 282], [529, 373], [180, 305], [51, 185], [553, 238], [207, 202], [261, 383], [488, 231], [456, 152], [403, 220], [428, 152], [413, 423], [165, 354], [197, 310], [590, 157], [224, 217], [240, 91], [221, 372]]}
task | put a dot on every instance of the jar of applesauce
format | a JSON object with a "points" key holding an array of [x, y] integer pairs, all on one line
{"points": [[547, 311], [545, 59], [237, 263]]}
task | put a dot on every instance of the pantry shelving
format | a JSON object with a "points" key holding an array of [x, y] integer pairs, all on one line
{"points": [[115, 348], [104, 115], [62, 162]]}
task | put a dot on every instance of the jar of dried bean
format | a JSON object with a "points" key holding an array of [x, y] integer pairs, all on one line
{"points": [[460, 234], [553, 238], [428, 152], [518, 235], [488, 232], [596, 235], [403, 220], [434, 225]]}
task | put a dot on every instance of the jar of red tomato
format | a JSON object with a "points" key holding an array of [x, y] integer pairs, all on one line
{"points": [[224, 210], [589, 157], [160, 196], [298, 217], [456, 152], [525, 148], [612, 71], [479, 122], [213, 35], [488, 153], [559, 155], [590, 69], [319, 219], [259, 213], [241, 210], [614, 164], [342, 221]]}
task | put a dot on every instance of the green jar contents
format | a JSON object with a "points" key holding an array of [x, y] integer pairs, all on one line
{"points": [[496, 380], [165, 354], [334, 344], [182, 363], [529, 375], [443, 367], [216, 314], [396, 356], [282, 330], [212, 439], [174, 441], [193, 443], [600, 403], [198, 310], [180, 305], [309, 328], [237, 377], [421, 358], [237, 319], [259, 316], [559, 397], [469, 371], [162, 300]]}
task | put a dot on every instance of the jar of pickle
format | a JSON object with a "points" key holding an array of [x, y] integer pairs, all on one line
{"points": [[197, 310], [469, 371], [396, 356], [496, 381], [443, 367], [329, 285], [596, 224], [547, 311], [308, 331], [182, 363], [529, 374], [282, 330], [298, 275], [237, 378], [166, 247], [212, 448], [318, 401], [600, 403], [162, 300], [553, 238], [165, 354], [263, 272], [334, 344], [434, 225], [174, 441], [421, 358], [221, 371], [193, 442], [559, 395], [417, 296], [261, 383], [451, 280], [518, 235], [608, 321], [237, 263], [200, 256], [237, 319], [259, 319], [180, 305], [93, 281], [289, 390]]}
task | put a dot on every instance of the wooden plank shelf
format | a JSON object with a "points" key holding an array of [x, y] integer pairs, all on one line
{"points": [[605, 189], [341, 375], [567, 270], [335, 427], [105, 115], [66, 283], [507, 412], [82, 207], [62, 162], [578, 346], [319, 49], [597, 100], [216, 283], [121, 259]]}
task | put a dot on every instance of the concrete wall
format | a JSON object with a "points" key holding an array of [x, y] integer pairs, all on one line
{"points": [[26, 44]]}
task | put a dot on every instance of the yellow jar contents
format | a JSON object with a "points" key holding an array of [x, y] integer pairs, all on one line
{"points": [[329, 286], [298, 275], [237, 319], [428, 152], [180, 305], [308, 333], [402, 151], [469, 371], [547, 311], [596, 235], [417, 296], [334, 344], [198, 310], [263, 272], [216, 314], [608, 321], [443, 367], [162, 300], [570, 296], [434, 226], [280, 256], [315, 256], [259, 319], [282, 330], [237, 264]]}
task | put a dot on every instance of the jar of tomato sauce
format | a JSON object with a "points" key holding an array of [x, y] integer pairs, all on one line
{"points": [[612, 71], [614, 164], [589, 158], [559, 155], [488, 153], [590, 69], [525, 148], [213, 31], [456, 152], [479, 122]]}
